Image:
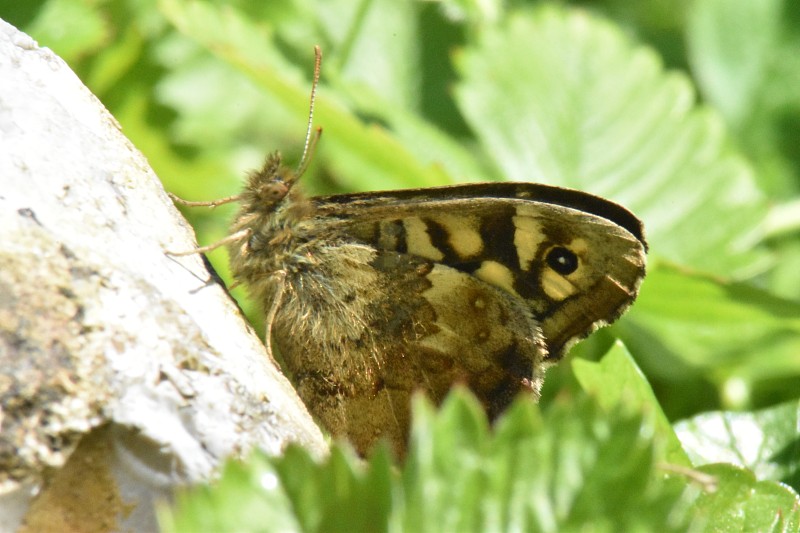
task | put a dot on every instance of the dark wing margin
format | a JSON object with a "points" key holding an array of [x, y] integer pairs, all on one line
{"points": [[341, 204]]}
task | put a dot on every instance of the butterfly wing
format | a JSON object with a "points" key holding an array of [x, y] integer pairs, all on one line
{"points": [[577, 260]]}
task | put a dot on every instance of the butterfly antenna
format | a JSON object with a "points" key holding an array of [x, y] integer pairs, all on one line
{"points": [[311, 138]]}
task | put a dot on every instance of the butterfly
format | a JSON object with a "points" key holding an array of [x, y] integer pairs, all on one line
{"points": [[372, 297]]}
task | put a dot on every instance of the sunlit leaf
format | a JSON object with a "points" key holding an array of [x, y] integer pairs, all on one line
{"points": [[616, 381], [766, 442], [563, 97]]}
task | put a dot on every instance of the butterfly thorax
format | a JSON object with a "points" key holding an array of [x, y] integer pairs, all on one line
{"points": [[327, 277]]}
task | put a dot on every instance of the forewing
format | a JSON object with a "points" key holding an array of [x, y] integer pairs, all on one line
{"points": [[504, 234]]}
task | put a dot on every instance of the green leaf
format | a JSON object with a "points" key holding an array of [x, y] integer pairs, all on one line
{"points": [[731, 330], [550, 472], [319, 493], [616, 381], [559, 96], [368, 56], [742, 503], [752, 80], [247, 497], [659, 23], [294, 492], [360, 153], [444, 478], [766, 442], [732, 70], [72, 29]]}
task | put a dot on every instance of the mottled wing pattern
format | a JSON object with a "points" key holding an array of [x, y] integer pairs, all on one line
{"points": [[512, 236], [393, 292]]}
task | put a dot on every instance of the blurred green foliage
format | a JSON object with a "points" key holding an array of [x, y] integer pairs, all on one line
{"points": [[685, 111]]}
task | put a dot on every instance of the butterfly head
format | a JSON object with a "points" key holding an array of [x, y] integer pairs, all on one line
{"points": [[268, 186]]}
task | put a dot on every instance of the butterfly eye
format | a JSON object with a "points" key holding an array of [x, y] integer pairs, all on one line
{"points": [[562, 260]]}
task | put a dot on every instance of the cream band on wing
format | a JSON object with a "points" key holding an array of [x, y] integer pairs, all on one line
{"points": [[527, 239], [496, 274], [463, 235], [556, 286], [418, 241]]}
